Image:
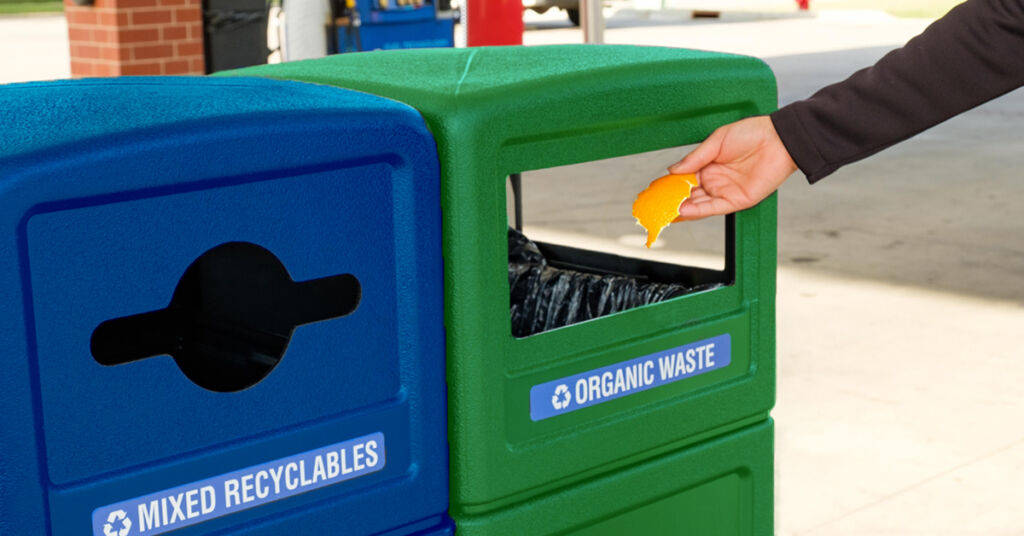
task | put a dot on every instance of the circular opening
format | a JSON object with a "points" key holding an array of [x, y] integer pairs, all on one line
{"points": [[230, 318]]}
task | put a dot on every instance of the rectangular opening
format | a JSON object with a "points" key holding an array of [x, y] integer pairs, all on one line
{"points": [[576, 253]]}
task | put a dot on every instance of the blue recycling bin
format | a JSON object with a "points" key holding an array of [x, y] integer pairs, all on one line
{"points": [[222, 311]]}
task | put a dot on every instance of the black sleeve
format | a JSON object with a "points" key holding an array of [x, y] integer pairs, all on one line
{"points": [[972, 55]]}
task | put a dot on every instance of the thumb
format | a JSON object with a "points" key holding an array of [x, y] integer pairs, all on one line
{"points": [[714, 206], [704, 154]]}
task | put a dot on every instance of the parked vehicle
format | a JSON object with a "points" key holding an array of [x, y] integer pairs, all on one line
{"points": [[571, 7]]}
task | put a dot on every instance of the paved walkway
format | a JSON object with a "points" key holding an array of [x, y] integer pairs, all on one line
{"points": [[34, 47], [900, 286]]}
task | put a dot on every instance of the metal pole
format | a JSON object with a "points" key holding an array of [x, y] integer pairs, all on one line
{"points": [[592, 19]]}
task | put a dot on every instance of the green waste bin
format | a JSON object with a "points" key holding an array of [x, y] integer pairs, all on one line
{"points": [[525, 455]]}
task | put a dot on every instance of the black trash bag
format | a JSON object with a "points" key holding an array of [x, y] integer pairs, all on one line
{"points": [[544, 297]]}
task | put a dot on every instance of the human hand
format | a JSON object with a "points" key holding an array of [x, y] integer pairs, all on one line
{"points": [[739, 165]]}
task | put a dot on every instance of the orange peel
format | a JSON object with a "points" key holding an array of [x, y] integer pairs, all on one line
{"points": [[658, 205]]}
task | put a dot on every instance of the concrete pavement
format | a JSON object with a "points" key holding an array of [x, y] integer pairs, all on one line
{"points": [[900, 285], [34, 47]]}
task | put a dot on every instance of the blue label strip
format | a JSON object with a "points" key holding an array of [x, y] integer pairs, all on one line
{"points": [[586, 389], [208, 499]]}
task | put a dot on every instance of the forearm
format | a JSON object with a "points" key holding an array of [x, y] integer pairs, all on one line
{"points": [[970, 56]]}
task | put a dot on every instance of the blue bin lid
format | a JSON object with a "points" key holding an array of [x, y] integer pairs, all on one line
{"points": [[37, 116]]}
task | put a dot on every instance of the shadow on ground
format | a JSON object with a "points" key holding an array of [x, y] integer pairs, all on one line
{"points": [[552, 21]]}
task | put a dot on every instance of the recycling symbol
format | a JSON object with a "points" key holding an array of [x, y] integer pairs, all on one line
{"points": [[561, 398], [119, 517]]}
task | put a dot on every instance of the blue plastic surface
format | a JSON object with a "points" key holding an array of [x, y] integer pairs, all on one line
{"points": [[419, 34], [397, 26], [109, 191]]}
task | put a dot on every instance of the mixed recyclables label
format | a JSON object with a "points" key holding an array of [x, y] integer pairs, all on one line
{"points": [[593, 387], [186, 505]]}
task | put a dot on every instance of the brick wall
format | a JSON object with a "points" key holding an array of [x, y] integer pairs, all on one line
{"points": [[135, 37]]}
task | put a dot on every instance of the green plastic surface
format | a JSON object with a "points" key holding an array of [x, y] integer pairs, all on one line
{"points": [[721, 487], [497, 111]]}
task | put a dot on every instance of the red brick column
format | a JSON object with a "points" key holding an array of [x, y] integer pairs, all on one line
{"points": [[135, 37]]}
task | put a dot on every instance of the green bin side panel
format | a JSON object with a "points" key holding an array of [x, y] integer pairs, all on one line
{"points": [[501, 110], [722, 487]]}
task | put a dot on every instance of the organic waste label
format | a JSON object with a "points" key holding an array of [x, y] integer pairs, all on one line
{"points": [[179, 507], [593, 387]]}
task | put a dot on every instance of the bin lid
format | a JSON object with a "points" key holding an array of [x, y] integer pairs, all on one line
{"points": [[509, 72], [521, 94], [42, 116]]}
